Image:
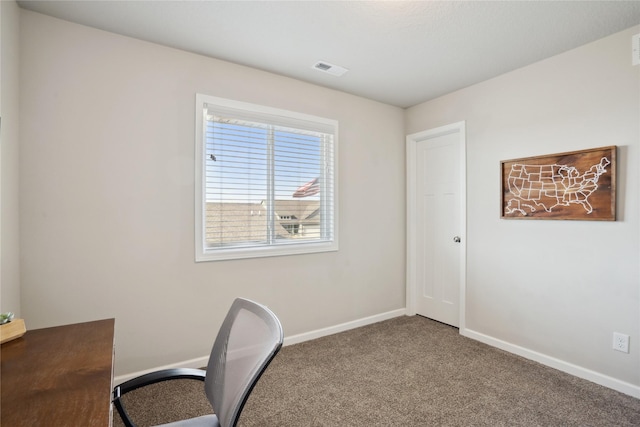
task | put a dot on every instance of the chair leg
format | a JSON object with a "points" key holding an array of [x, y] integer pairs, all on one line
{"points": [[124, 416]]}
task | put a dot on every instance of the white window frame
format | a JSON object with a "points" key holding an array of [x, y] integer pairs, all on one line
{"points": [[202, 253]]}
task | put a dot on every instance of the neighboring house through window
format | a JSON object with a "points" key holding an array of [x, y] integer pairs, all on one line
{"points": [[265, 181]]}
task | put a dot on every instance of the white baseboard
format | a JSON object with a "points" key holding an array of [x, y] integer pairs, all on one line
{"points": [[294, 339], [319, 333], [196, 363], [580, 372]]}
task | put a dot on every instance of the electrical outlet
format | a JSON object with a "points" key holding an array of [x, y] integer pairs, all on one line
{"points": [[621, 342]]}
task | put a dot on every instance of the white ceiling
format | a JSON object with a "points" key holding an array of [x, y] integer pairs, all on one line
{"points": [[397, 52]]}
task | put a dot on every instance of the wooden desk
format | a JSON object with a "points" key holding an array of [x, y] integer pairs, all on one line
{"points": [[59, 376]]}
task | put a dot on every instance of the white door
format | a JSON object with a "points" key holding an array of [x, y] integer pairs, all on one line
{"points": [[436, 219]]}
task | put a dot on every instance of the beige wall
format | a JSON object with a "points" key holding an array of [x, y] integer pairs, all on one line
{"points": [[557, 288], [107, 198], [9, 202]]}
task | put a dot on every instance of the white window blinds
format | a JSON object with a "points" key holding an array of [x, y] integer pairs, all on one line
{"points": [[268, 181]]}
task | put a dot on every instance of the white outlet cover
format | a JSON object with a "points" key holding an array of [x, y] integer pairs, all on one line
{"points": [[621, 342], [635, 49]]}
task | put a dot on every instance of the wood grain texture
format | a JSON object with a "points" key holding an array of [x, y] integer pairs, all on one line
{"points": [[578, 185], [60, 376]]}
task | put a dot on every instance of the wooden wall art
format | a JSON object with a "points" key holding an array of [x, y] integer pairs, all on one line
{"points": [[579, 185]]}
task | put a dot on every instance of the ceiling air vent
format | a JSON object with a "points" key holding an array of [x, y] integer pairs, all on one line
{"points": [[334, 70]]}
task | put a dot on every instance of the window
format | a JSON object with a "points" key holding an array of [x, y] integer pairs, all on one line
{"points": [[265, 181]]}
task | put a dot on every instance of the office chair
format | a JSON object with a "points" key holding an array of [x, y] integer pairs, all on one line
{"points": [[247, 341]]}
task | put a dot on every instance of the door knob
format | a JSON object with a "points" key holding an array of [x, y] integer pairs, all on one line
{"points": [[456, 239]]}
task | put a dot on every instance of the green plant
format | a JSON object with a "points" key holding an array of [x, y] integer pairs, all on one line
{"points": [[6, 318]]}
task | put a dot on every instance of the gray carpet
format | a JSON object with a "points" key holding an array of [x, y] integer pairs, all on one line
{"points": [[407, 371]]}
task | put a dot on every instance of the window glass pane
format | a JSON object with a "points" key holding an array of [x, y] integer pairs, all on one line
{"points": [[236, 184], [298, 160]]}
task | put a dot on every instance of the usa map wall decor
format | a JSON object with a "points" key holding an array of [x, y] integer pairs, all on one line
{"points": [[579, 185]]}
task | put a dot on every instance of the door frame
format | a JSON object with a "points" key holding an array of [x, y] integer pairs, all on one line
{"points": [[411, 143]]}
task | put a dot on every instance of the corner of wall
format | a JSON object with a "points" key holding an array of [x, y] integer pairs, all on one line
{"points": [[9, 131]]}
